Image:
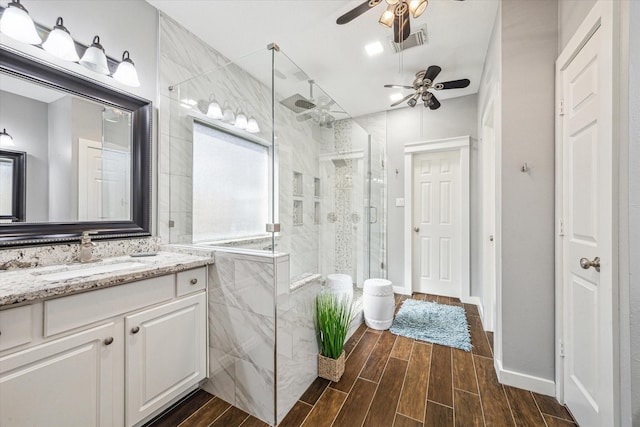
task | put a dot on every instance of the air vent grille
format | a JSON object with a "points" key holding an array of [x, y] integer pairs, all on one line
{"points": [[417, 38]]}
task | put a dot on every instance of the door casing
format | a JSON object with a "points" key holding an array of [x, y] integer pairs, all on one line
{"points": [[461, 143], [603, 18]]}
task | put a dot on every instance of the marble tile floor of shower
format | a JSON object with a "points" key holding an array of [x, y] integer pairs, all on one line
{"points": [[393, 381]]}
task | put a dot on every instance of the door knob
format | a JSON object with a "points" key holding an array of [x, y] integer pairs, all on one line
{"points": [[416, 229], [135, 329], [586, 264], [108, 341], [491, 238]]}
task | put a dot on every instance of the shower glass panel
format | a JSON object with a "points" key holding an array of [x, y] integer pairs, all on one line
{"points": [[220, 167], [256, 156]]}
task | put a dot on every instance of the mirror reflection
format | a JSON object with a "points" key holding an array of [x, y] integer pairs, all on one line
{"points": [[78, 152]]}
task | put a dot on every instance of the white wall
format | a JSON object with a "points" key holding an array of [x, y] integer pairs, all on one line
{"points": [[456, 117], [634, 206], [29, 131], [521, 62], [571, 13]]}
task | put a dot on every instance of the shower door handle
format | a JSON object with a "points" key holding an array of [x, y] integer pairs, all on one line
{"points": [[373, 209]]}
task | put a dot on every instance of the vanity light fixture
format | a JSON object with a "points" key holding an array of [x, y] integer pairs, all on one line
{"points": [[17, 24], [241, 120], [252, 126], [95, 59], [5, 139], [214, 110], [228, 116], [60, 44], [126, 72]]}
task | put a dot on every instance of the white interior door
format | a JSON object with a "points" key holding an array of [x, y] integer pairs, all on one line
{"points": [[89, 180], [489, 208], [436, 223], [587, 304]]}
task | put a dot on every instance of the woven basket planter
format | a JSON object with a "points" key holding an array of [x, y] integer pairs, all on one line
{"points": [[331, 369]]}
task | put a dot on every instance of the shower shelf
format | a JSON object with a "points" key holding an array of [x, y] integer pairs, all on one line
{"points": [[297, 212], [298, 188]]}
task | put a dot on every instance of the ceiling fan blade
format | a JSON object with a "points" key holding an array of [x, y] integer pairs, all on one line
{"points": [[453, 84], [357, 11], [432, 73], [434, 104], [304, 103], [399, 86], [401, 26], [402, 100]]}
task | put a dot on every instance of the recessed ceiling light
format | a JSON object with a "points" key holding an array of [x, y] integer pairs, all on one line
{"points": [[396, 97], [374, 48]]}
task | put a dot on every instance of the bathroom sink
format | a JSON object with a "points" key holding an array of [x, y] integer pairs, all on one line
{"points": [[91, 270]]}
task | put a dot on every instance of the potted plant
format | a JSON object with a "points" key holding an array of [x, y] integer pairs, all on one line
{"points": [[333, 314]]}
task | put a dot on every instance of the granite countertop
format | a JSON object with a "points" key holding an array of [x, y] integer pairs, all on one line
{"points": [[24, 285]]}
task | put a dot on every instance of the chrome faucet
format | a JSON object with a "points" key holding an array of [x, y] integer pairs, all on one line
{"points": [[85, 253]]}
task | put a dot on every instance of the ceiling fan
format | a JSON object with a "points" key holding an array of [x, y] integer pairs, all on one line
{"points": [[421, 85], [396, 14]]}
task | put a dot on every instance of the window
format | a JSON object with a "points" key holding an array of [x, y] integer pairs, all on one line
{"points": [[230, 186]]}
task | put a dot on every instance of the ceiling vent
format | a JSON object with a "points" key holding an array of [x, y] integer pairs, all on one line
{"points": [[417, 38]]}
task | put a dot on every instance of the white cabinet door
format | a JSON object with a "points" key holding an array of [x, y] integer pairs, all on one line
{"points": [[65, 382], [165, 354]]}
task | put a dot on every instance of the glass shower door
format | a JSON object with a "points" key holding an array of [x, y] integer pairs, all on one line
{"points": [[375, 204]]}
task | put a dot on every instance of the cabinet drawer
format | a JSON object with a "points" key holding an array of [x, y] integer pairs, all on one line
{"points": [[191, 281], [66, 313], [16, 326]]}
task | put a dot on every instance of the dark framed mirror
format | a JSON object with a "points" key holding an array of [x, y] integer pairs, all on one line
{"points": [[89, 152], [13, 166]]}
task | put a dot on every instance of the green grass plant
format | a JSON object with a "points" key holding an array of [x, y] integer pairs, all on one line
{"points": [[333, 314]]}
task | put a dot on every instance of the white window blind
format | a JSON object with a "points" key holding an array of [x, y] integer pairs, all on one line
{"points": [[230, 186]]}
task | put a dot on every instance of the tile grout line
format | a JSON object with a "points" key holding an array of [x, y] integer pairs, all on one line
{"points": [[354, 381], [198, 410], [513, 416], [218, 417], [453, 392], [377, 385], [426, 397], [539, 410], [404, 380], [475, 371]]}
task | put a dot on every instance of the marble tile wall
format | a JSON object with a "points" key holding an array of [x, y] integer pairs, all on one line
{"points": [[204, 72], [242, 331]]}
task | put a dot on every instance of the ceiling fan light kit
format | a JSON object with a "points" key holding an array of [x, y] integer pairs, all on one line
{"points": [[422, 85]]}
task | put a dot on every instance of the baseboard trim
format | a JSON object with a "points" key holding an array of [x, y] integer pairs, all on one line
{"points": [[524, 381], [401, 290]]}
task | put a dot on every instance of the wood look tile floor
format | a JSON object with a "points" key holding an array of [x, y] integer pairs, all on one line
{"points": [[393, 381]]}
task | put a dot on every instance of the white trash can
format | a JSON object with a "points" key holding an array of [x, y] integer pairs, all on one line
{"points": [[341, 285], [378, 303]]}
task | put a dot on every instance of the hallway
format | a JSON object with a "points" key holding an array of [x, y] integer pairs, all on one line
{"points": [[396, 381]]}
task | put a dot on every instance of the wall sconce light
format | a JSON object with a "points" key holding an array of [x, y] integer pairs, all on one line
{"points": [[228, 116], [5, 139], [95, 59], [252, 126], [60, 44], [17, 24], [214, 111], [416, 7], [126, 72], [241, 121]]}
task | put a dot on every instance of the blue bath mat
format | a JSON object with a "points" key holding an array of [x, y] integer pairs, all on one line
{"points": [[433, 322]]}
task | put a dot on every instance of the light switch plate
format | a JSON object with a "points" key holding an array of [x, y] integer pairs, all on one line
{"points": [[400, 201]]}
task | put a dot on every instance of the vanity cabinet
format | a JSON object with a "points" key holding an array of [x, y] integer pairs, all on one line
{"points": [[165, 354], [65, 382], [109, 357]]}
